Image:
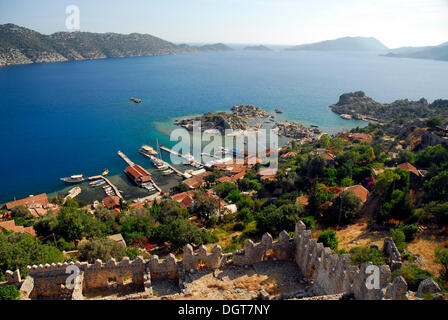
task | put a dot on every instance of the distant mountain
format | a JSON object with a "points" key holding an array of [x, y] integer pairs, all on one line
{"points": [[343, 44], [257, 48], [214, 47], [439, 52], [20, 45]]}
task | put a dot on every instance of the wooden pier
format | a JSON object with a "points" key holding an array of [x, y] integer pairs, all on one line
{"points": [[117, 192], [182, 156], [126, 159]]}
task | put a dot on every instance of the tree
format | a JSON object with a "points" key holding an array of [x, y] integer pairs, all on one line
{"points": [[103, 249], [181, 187], [20, 211], [19, 250], [434, 122], [344, 208], [205, 206], [324, 141], [10, 292], [46, 225], [328, 239], [437, 188]]}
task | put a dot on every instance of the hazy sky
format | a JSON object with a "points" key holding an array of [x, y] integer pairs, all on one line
{"points": [[394, 22]]}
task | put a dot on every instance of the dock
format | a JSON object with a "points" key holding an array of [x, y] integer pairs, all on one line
{"points": [[178, 172], [126, 159], [117, 192], [130, 163], [182, 156]]}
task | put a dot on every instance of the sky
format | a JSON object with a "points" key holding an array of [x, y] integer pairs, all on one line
{"points": [[395, 23]]}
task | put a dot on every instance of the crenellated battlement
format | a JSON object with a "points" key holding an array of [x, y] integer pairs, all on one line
{"points": [[328, 272]]}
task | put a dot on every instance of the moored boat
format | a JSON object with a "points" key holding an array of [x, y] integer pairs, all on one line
{"points": [[147, 150], [105, 172], [74, 178]]}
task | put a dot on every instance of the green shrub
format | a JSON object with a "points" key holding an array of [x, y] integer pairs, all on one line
{"points": [[360, 255], [442, 258], [238, 226], [132, 252], [308, 221], [399, 238], [413, 275], [9, 293], [329, 239], [410, 232]]}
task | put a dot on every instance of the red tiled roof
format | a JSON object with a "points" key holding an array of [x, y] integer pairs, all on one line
{"points": [[138, 173], [39, 200], [267, 172], [224, 179], [409, 167], [237, 176], [111, 202], [288, 154], [361, 192], [361, 136], [11, 226]]}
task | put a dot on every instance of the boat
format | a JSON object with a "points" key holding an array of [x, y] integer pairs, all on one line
{"points": [[278, 111], [346, 116], [99, 184], [105, 172], [162, 167], [96, 182], [167, 172], [147, 150], [136, 100], [74, 178]]}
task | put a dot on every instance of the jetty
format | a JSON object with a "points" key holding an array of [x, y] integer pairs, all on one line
{"points": [[126, 159], [72, 193], [178, 172], [114, 188], [190, 158]]}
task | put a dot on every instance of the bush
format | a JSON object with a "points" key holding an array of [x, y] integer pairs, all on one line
{"points": [[364, 254], [329, 239], [399, 238], [103, 249], [308, 221], [410, 232], [413, 276], [9, 293], [132, 252], [442, 258], [238, 226]]}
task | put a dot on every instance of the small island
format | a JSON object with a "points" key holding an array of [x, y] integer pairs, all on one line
{"points": [[258, 48], [223, 121]]}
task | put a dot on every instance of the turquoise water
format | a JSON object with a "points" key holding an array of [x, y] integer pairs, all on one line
{"points": [[67, 118]]}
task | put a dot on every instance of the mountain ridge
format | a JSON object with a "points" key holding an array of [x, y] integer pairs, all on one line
{"points": [[343, 44], [20, 45]]}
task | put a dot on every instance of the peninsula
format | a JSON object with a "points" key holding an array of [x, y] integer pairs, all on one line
{"points": [[19, 45]]}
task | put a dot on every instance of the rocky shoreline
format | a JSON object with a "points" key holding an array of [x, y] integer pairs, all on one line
{"points": [[297, 130]]}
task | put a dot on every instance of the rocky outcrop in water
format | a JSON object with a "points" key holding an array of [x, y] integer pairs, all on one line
{"points": [[296, 130], [220, 121], [249, 111]]}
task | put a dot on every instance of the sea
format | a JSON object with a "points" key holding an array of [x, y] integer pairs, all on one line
{"points": [[61, 119]]}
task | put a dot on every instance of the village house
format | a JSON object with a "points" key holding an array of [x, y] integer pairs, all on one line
{"points": [[11, 226], [415, 175], [362, 137], [112, 203], [267, 174], [118, 238], [38, 205], [359, 191], [197, 181]]}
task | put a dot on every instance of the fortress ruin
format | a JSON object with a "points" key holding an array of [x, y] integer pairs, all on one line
{"points": [[326, 272]]}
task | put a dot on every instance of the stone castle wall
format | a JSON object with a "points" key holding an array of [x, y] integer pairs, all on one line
{"points": [[330, 273]]}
